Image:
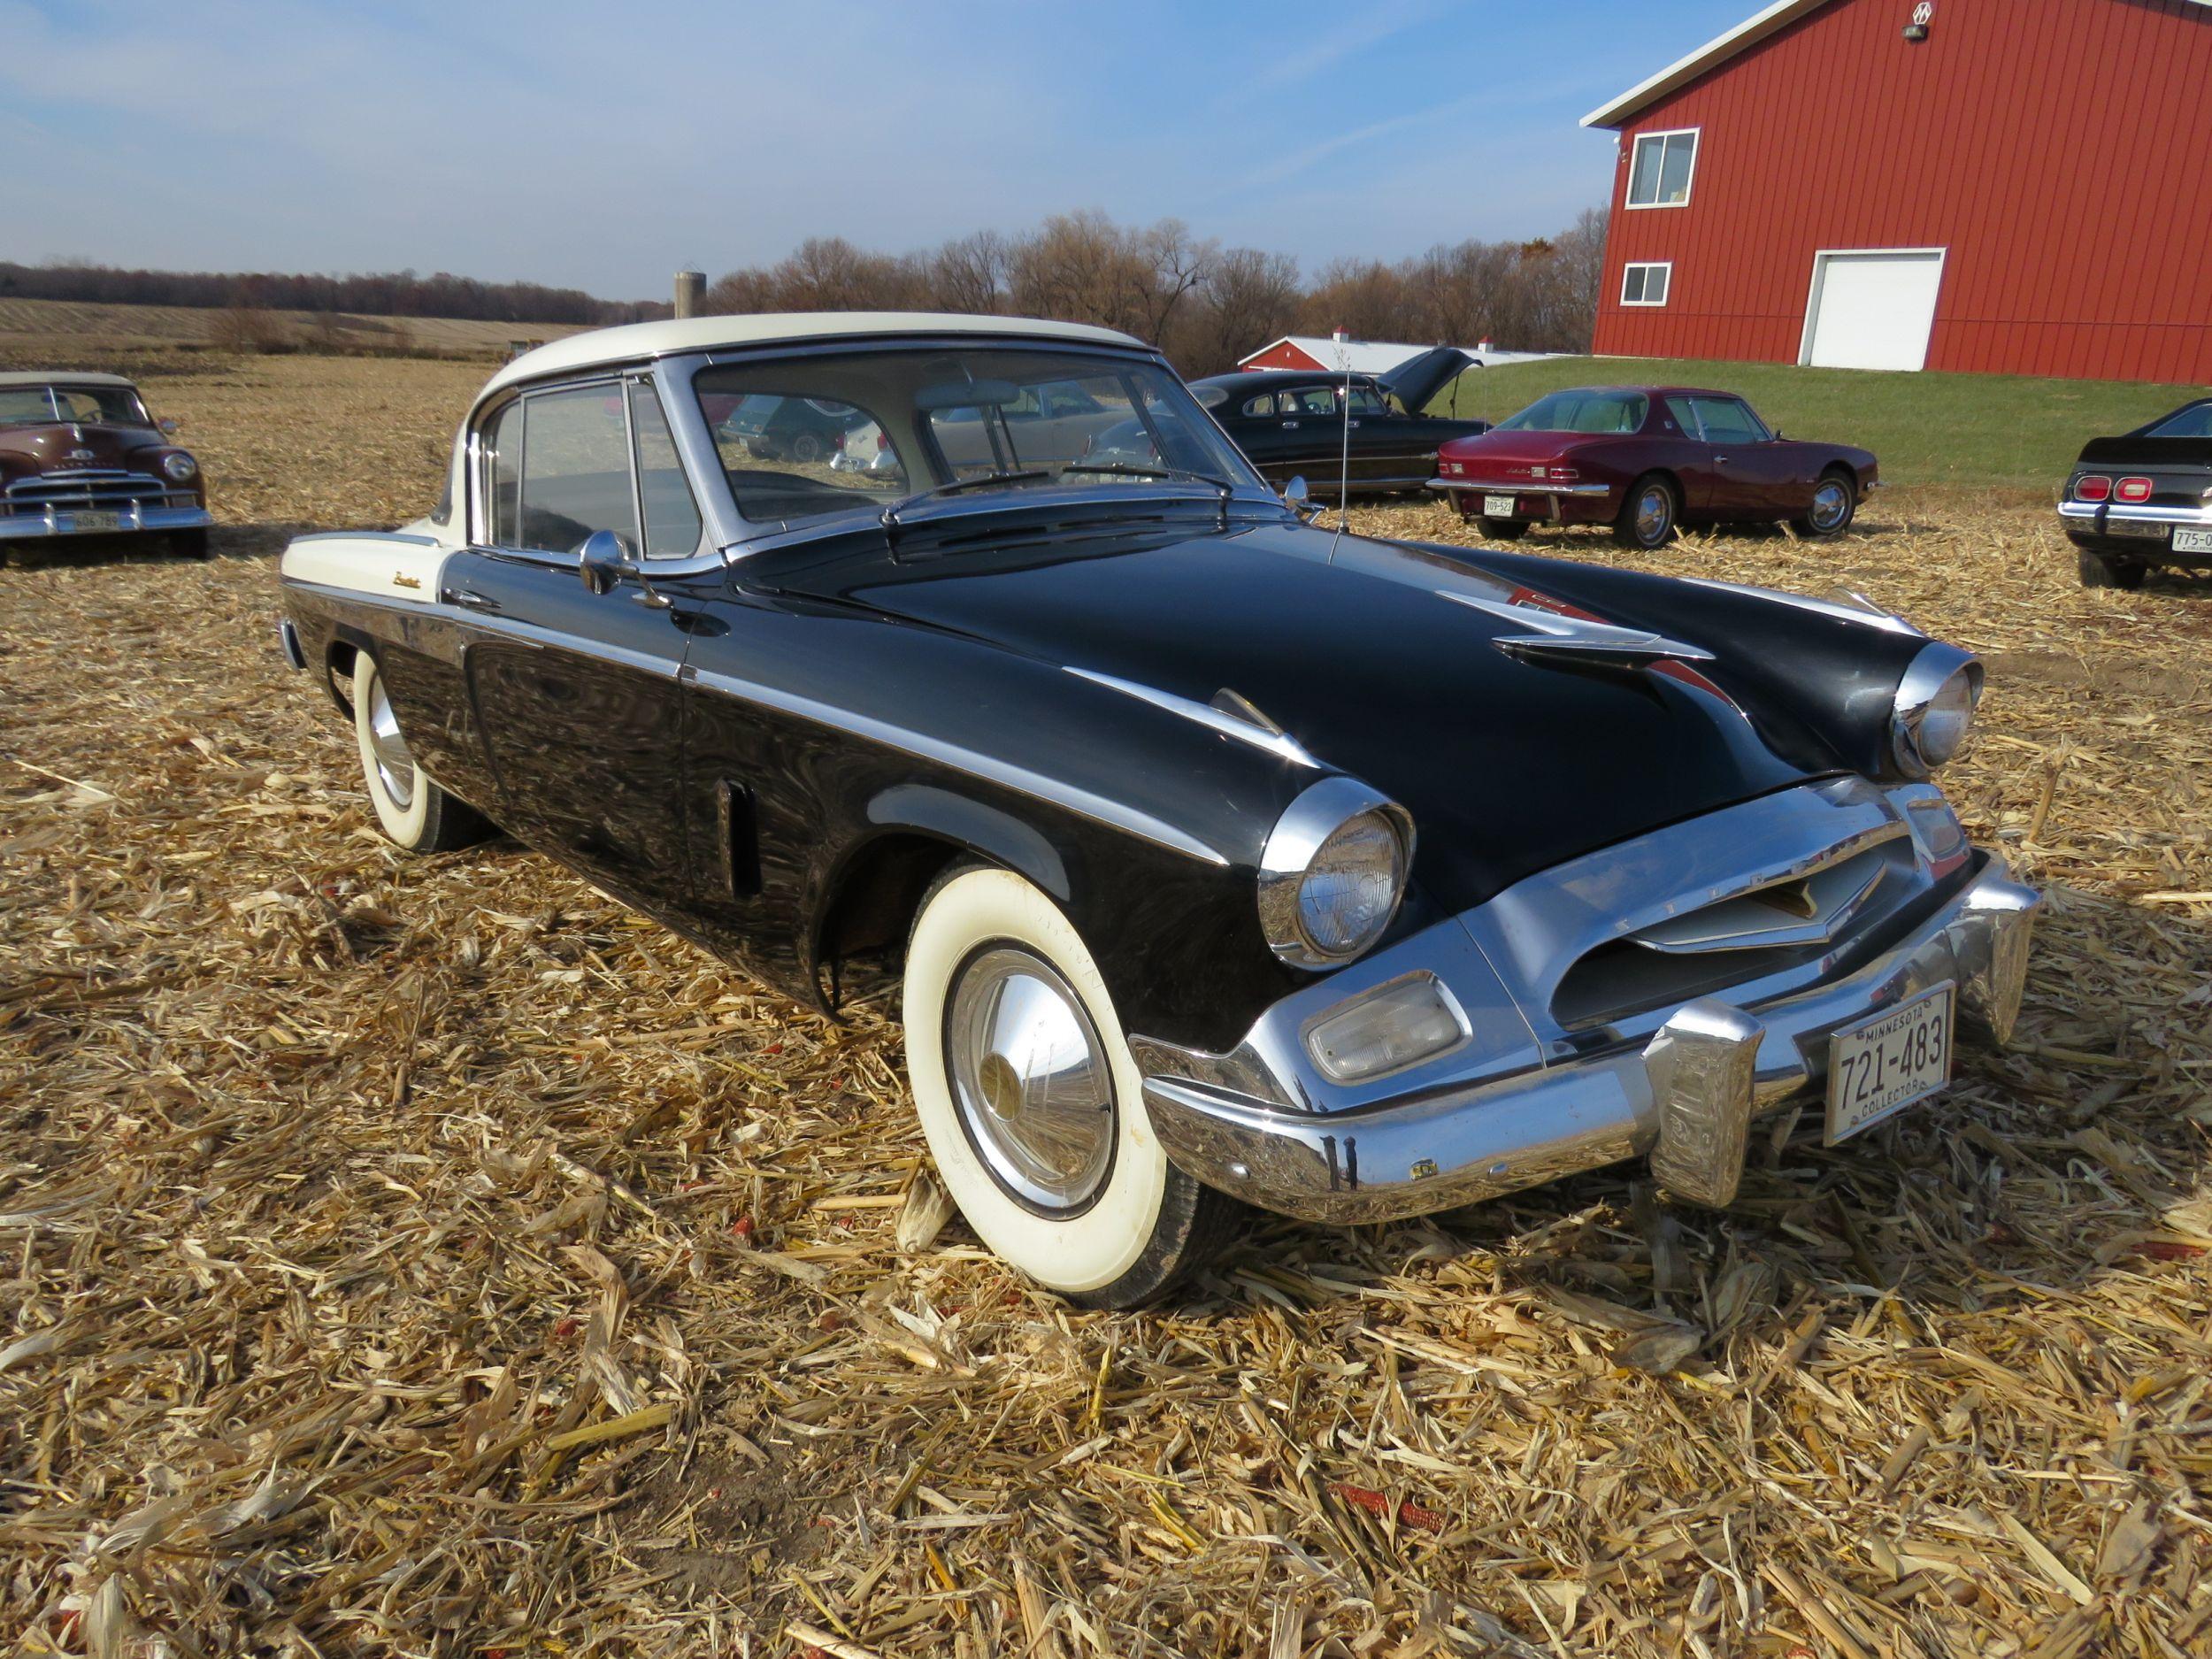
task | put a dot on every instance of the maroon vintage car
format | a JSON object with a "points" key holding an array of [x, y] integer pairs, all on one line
{"points": [[1646, 459], [80, 456]]}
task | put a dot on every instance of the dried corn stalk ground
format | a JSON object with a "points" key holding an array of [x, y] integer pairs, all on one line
{"points": [[430, 1257]]}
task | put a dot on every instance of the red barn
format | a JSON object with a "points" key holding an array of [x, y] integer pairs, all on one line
{"points": [[2005, 185]]}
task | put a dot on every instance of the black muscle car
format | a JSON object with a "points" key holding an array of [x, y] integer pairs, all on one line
{"points": [[1224, 858], [2143, 499], [1292, 423]]}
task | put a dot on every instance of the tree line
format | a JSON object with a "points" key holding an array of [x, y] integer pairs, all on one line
{"points": [[1207, 305], [369, 293]]}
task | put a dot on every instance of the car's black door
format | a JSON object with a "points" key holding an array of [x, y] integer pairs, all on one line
{"points": [[576, 693], [1390, 448]]}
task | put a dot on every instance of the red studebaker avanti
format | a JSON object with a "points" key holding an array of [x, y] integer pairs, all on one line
{"points": [[1645, 460]]}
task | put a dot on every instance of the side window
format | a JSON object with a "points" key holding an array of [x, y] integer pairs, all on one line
{"points": [[576, 469], [1312, 400], [500, 443], [672, 514], [1365, 401], [1730, 420], [1261, 407], [1685, 415]]}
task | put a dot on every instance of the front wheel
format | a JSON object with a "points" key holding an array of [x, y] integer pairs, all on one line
{"points": [[1032, 1102], [1835, 503], [415, 812], [1500, 529], [2100, 570], [1648, 515]]}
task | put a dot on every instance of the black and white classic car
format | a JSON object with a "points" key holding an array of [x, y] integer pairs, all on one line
{"points": [[1227, 858]]}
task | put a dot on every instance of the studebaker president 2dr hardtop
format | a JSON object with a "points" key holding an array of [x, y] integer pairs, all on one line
{"points": [[80, 456], [1227, 858]]}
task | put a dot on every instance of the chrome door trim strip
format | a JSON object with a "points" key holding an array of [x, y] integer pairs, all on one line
{"points": [[923, 747], [366, 535], [485, 622]]}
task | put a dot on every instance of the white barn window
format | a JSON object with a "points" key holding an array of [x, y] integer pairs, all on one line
{"points": [[1647, 284], [1659, 172]]}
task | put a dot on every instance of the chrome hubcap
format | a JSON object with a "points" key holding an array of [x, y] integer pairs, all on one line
{"points": [[1829, 503], [1651, 514], [1030, 1078], [394, 765]]}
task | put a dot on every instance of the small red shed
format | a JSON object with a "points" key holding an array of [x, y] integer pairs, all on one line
{"points": [[2005, 186]]}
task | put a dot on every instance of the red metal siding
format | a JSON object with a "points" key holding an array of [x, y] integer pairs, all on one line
{"points": [[2058, 149], [1280, 356]]}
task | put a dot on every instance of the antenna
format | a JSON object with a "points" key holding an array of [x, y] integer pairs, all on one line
{"points": [[1344, 466]]}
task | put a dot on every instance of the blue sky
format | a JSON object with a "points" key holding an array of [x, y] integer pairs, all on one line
{"points": [[602, 147]]}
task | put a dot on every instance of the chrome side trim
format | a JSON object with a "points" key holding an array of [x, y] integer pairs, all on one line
{"points": [[1097, 808], [1278, 743], [367, 536], [1860, 608], [1554, 635]]}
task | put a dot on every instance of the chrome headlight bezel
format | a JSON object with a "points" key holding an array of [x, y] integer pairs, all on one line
{"points": [[181, 467], [1932, 714], [1306, 828]]}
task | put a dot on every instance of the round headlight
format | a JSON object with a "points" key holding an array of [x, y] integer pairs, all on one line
{"points": [[1934, 709], [179, 466], [1333, 873]]}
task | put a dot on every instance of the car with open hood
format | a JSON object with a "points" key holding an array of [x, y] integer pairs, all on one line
{"points": [[1369, 434], [1221, 858], [81, 455], [1647, 461], [2143, 499]]}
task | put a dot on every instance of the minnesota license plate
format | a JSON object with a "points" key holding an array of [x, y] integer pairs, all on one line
{"points": [[95, 520], [2135, 528], [1886, 1064], [2192, 541], [1498, 506]]}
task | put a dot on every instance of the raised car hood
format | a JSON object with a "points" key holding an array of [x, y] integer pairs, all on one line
{"points": [[1416, 379], [1507, 766]]}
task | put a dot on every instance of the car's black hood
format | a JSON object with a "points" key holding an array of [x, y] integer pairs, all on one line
{"points": [[1507, 767], [1419, 379]]}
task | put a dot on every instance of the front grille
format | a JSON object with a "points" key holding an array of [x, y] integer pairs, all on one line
{"points": [[91, 489], [1834, 909]]}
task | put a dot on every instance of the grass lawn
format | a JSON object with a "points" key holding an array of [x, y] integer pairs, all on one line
{"points": [[1981, 432]]}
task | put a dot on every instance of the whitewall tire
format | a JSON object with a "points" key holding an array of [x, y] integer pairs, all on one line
{"points": [[410, 809], [1032, 1102]]}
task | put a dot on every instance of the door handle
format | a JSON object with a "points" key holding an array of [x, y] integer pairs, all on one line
{"points": [[1720, 460], [469, 599]]}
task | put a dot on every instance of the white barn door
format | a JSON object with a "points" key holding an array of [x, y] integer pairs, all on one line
{"points": [[1872, 308]]}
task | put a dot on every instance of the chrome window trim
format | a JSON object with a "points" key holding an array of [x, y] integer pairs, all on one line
{"points": [[663, 564]]}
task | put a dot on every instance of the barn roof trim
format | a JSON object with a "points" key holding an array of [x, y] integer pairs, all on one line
{"points": [[1770, 20]]}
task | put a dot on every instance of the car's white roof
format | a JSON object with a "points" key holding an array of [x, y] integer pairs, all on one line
{"points": [[633, 341], [62, 377]]}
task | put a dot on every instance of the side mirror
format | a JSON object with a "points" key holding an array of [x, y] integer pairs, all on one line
{"points": [[168, 427], [603, 559], [1299, 499]]}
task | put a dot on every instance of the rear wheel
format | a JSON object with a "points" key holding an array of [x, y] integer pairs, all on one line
{"points": [[1648, 515], [1835, 503], [1031, 1102], [1500, 529], [412, 809], [2102, 570], [806, 449]]}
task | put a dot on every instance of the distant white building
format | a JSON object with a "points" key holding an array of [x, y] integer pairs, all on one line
{"points": [[1365, 356]]}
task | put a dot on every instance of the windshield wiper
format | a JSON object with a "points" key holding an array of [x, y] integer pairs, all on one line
{"points": [[891, 513]]}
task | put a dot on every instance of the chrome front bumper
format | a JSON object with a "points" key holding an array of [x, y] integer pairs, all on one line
{"points": [[130, 521], [1685, 1095]]}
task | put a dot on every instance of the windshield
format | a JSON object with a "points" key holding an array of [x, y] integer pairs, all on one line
{"points": [[89, 405], [1581, 411], [2192, 422], [803, 437]]}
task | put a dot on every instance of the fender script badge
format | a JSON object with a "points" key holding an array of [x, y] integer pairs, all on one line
{"points": [[401, 578]]}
